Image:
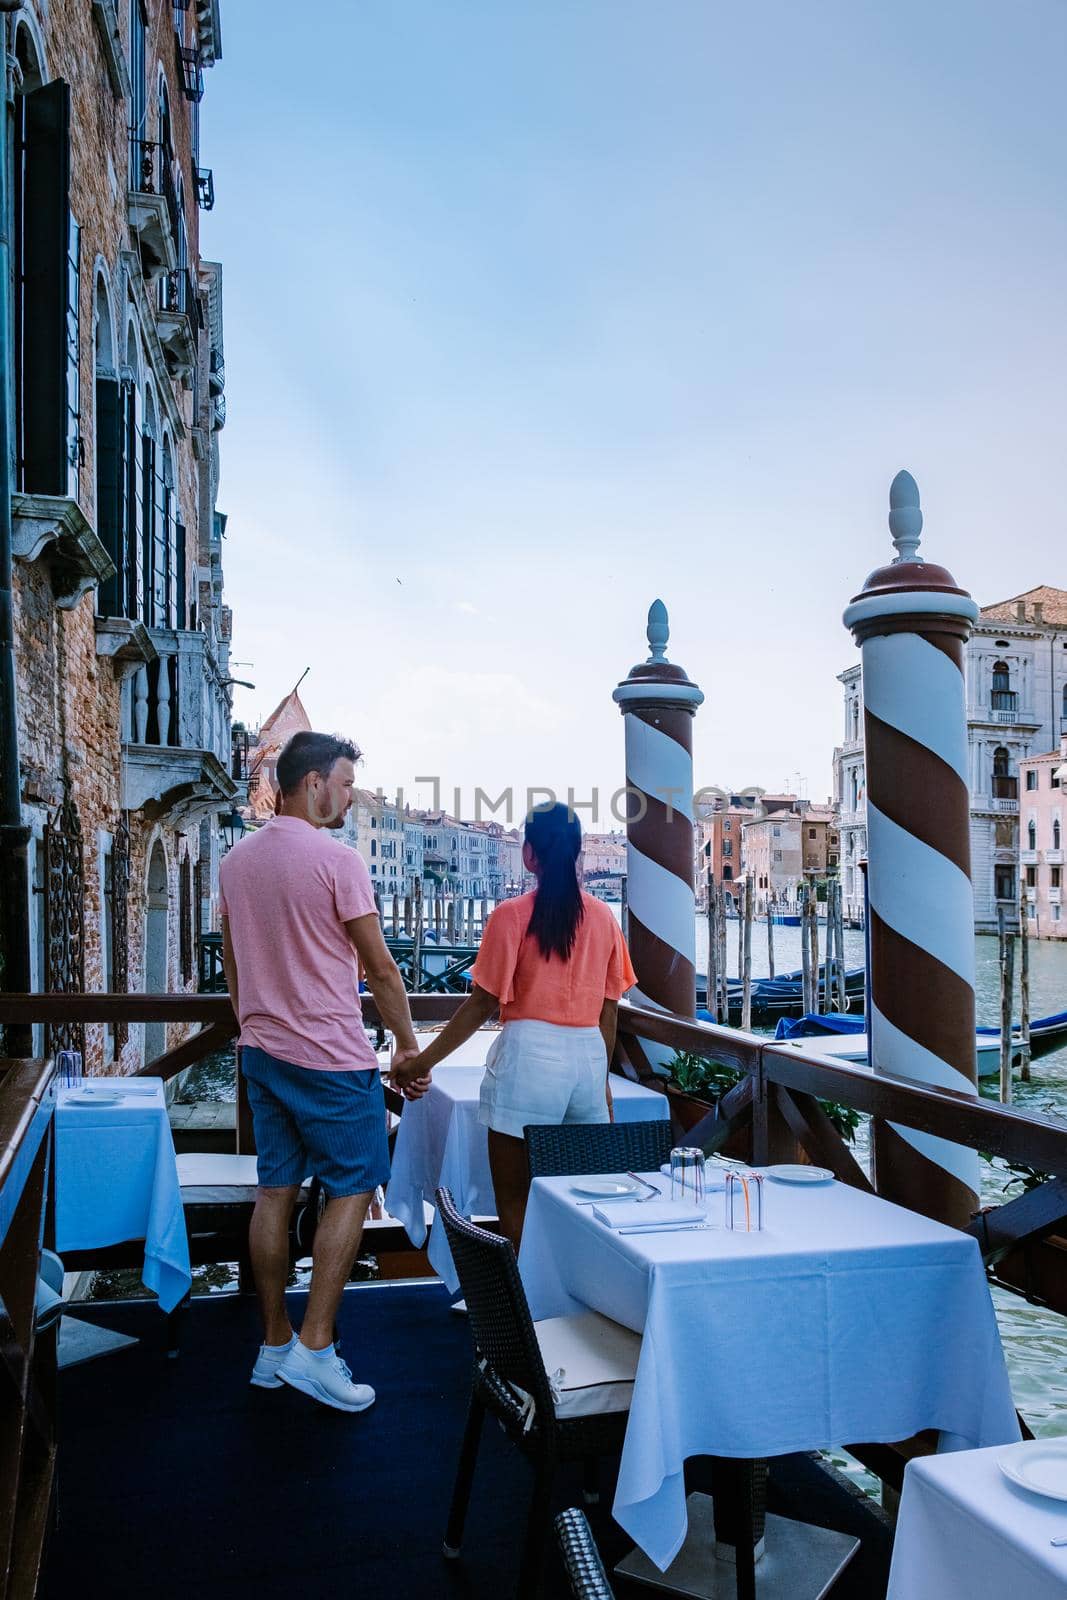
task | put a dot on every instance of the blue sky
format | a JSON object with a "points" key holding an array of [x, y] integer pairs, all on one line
{"points": [[535, 313]]}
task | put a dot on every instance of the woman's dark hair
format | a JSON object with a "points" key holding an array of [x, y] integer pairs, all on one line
{"points": [[312, 752], [554, 834]]}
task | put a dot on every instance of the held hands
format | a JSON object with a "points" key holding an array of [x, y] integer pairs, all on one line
{"points": [[406, 1073]]}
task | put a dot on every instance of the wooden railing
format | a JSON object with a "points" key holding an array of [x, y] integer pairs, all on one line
{"points": [[27, 1359], [774, 1113]]}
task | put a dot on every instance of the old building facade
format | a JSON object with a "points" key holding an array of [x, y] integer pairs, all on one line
{"points": [[1042, 832], [121, 636], [1016, 706]]}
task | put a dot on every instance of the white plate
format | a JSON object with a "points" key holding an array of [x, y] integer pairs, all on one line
{"points": [[606, 1188], [1039, 1465], [800, 1174]]}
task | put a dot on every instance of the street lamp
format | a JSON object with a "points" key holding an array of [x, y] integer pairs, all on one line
{"points": [[232, 827]]}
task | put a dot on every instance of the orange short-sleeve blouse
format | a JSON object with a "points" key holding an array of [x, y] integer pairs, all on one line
{"points": [[570, 992]]}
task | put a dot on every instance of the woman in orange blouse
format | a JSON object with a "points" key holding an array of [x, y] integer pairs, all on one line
{"points": [[555, 965]]}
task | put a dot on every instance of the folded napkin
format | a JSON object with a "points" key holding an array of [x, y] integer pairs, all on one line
{"points": [[655, 1216]]}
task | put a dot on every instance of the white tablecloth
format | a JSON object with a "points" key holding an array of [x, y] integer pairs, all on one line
{"points": [[117, 1179], [441, 1141], [966, 1533], [847, 1319]]}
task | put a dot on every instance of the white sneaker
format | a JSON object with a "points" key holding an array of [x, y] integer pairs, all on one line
{"points": [[270, 1358], [324, 1378]]}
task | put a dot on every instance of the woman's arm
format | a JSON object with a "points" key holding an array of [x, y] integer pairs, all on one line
{"points": [[476, 1009], [609, 1019]]}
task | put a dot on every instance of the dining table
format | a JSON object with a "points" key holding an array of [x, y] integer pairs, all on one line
{"points": [[970, 1528], [440, 1142], [117, 1178], [844, 1318]]}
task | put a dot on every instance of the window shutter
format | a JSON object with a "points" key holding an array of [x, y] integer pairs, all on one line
{"points": [[181, 576], [110, 492], [43, 241], [161, 555], [148, 522], [131, 470]]}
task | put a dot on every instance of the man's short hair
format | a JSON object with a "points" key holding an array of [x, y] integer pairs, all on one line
{"points": [[312, 752]]}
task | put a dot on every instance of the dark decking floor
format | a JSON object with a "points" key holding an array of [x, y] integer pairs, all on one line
{"points": [[176, 1478]]}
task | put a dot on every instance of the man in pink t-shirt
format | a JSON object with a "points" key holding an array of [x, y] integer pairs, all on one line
{"points": [[298, 918]]}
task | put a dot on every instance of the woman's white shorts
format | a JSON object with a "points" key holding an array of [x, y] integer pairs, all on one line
{"points": [[544, 1072]]}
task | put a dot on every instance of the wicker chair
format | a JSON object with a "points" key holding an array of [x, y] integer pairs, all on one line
{"points": [[581, 1558], [511, 1383], [559, 1152]]}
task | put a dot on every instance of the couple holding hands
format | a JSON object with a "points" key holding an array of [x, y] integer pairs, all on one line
{"points": [[299, 919]]}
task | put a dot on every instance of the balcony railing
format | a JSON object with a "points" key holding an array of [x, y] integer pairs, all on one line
{"points": [[205, 188], [241, 747], [1053, 858], [190, 69], [179, 701], [178, 297], [1054, 896], [1028, 858], [150, 173]]}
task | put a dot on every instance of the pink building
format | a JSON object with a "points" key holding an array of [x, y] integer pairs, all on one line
{"points": [[1043, 784]]}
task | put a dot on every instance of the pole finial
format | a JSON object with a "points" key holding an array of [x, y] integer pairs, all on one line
{"points": [[658, 631], [905, 517]]}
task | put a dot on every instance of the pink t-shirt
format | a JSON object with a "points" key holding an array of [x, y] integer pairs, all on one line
{"points": [[287, 892]]}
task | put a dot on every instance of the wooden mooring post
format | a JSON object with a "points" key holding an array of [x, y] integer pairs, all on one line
{"points": [[1024, 984], [746, 953], [450, 921], [1006, 941], [712, 997], [416, 944], [720, 929], [805, 952], [839, 924], [770, 934]]}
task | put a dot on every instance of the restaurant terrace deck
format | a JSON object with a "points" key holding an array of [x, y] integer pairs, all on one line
{"points": [[172, 1473]]}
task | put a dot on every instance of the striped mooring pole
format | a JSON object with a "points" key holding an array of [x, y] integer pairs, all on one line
{"points": [[658, 702], [912, 622]]}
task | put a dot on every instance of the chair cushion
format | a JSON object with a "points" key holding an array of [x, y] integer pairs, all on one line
{"points": [[591, 1363], [216, 1180]]}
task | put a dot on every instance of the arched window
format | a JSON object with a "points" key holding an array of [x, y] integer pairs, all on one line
{"points": [[166, 137], [1001, 762], [166, 537], [1064, 707], [1056, 833], [1002, 698], [107, 454], [148, 510], [727, 871], [1031, 835]]}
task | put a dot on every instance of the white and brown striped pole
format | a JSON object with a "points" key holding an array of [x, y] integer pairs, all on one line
{"points": [[658, 702], [912, 622]]}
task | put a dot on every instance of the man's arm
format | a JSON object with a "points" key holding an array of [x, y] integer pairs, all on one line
{"points": [[476, 1009], [386, 984], [229, 965], [608, 1024]]}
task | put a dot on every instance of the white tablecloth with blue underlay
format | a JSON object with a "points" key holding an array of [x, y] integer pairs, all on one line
{"points": [[117, 1179], [441, 1142], [965, 1532], [847, 1319]]}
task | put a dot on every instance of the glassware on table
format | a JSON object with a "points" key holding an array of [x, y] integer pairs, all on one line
{"points": [[744, 1201], [687, 1174], [69, 1068]]}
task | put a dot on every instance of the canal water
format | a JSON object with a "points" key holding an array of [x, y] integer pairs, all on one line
{"points": [[1035, 1341]]}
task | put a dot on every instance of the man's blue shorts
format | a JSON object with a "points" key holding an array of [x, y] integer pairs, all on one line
{"points": [[328, 1125]]}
